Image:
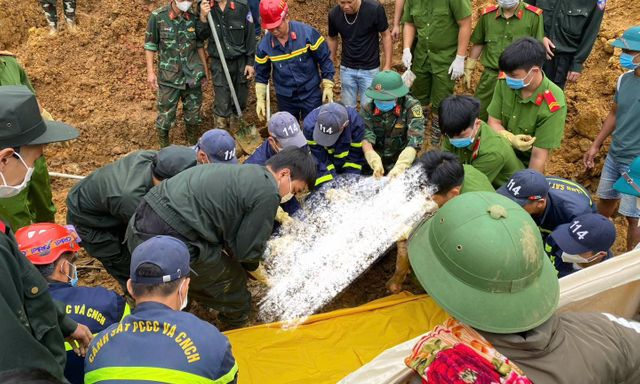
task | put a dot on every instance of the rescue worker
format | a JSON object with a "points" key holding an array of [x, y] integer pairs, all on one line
{"points": [[159, 342], [334, 134], [527, 108], [443, 30], [622, 124], [474, 142], [293, 52], [53, 249], [234, 26], [571, 28], [31, 324], [581, 243], [216, 146], [394, 125], [51, 14], [225, 214], [35, 203], [498, 27], [511, 301], [551, 201], [173, 33], [101, 204]]}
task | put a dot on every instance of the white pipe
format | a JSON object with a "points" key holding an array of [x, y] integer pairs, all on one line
{"points": [[66, 175]]}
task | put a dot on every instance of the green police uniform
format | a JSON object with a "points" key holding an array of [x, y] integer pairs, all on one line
{"points": [[542, 115], [234, 26], [490, 154], [495, 33], [436, 23], [180, 71], [475, 181], [35, 203], [214, 209], [391, 132]]}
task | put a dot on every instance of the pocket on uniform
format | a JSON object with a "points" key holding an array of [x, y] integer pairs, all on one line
{"points": [[575, 20], [39, 309], [236, 34]]}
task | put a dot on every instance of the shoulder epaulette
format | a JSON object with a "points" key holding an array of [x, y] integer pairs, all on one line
{"points": [[3, 227], [551, 101], [490, 9], [533, 9], [7, 53], [502, 75]]}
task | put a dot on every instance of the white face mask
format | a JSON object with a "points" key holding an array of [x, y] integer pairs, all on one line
{"points": [[183, 305], [183, 5], [289, 195], [568, 258], [7, 190], [508, 4]]}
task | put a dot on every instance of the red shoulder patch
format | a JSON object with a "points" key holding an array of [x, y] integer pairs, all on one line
{"points": [[502, 75], [551, 101], [3, 227], [533, 9], [490, 9]]}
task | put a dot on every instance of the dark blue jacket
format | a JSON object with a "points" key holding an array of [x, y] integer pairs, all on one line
{"points": [[345, 156], [157, 344], [294, 66], [565, 201]]}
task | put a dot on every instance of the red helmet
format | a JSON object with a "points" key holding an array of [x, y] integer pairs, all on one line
{"points": [[273, 12], [44, 243]]}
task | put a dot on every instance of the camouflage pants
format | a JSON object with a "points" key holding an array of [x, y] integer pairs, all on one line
{"points": [[168, 98], [50, 12]]}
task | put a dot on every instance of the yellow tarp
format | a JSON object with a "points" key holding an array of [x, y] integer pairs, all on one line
{"points": [[329, 346]]}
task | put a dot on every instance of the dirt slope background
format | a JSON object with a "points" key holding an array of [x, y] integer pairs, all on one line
{"points": [[96, 81]]}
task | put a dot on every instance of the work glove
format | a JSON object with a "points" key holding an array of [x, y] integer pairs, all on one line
{"points": [[407, 57], [469, 66], [519, 142], [406, 158], [457, 67], [46, 115], [261, 100], [375, 162], [327, 91], [260, 274], [283, 217]]}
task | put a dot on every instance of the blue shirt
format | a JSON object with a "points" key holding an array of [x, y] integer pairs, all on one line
{"points": [[625, 143], [565, 201], [157, 344], [345, 156], [294, 65]]}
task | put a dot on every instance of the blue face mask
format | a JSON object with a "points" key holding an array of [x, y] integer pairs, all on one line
{"points": [[518, 83], [462, 142], [384, 105], [626, 61], [73, 279]]}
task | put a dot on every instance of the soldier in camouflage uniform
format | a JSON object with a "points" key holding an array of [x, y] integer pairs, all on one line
{"points": [[50, 12], [172, 32], [394, 125], [234, 26]]}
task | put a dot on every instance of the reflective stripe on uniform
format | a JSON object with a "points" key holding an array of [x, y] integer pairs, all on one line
{"points": [[161, 375], [324, 179], [125, 313], [341, 155], [288, 56], [311, 142], [352, 165], [357, 145], [331, 167], [576, 185]]}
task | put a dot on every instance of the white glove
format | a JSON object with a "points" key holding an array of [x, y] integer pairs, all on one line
{"points": [[457, 67], [406, 57]]}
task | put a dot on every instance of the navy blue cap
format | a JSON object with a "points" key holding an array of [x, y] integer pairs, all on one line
{"points": [[219, 146], [525, 186], [329, 124], [168, 253], [286, 130], [588, 232]]}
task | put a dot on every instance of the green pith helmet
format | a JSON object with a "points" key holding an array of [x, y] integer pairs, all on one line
{"points": [[387, 85], [481, 258]]}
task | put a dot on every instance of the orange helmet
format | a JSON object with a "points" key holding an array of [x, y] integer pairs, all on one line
{"points": [[273, 12], [44, 243]]}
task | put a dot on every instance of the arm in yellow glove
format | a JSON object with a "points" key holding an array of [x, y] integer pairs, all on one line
{"points": [[375, 162], [519, 142], [327, 91], [469, 66], [406, 158], [283, 217], [260, 274], [261, 100]]}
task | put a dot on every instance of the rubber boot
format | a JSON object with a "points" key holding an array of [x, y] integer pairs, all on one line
{"points": [[191, 133], [71, 25], [234, 125], [221, 122], [163, 138]]}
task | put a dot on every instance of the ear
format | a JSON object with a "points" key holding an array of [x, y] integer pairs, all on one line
{"points": [[455, 191], [130, 289], [202, 157], [5, 154], [186, 285]]}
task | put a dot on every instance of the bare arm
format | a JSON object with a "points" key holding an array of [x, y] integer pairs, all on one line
{"points": [[332, 42], [408, 34], [539, 158], [495, 124], [366, 146], [397, 15], [608, 127], [476, 51], [464, 35], [387, 48]]}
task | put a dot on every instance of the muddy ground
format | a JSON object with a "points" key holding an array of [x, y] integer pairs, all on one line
{"points": [[95, 80]]}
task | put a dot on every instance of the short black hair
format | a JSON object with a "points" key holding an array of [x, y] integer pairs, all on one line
{"points": [[457, 113], [524, 53], [28, 376], [442, 170], [162, 289], [299, 161]]}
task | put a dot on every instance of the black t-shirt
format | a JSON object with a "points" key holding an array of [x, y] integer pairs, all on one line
{"points": [[360, 41]]}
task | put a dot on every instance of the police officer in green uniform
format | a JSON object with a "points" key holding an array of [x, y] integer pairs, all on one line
{"points": [[394, 125], [474, 142], [571, 28], [498, 27], [527, 108], [234, 25], [172, 32], [443, 28]]}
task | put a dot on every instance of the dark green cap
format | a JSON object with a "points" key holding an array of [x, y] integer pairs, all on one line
{"points": [[387, 85]]}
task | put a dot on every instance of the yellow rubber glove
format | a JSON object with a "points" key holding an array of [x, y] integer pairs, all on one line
{"points": [[46, 115], [375, 162], [519, 142], [260, 274], [283, 217], [406, 158], [327, 91], [469, 66], [261, 100]]}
